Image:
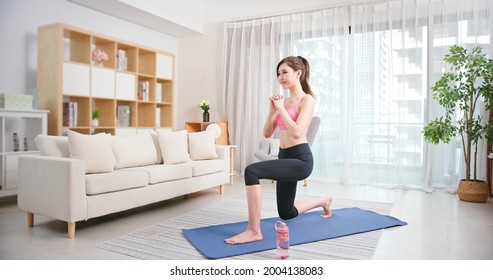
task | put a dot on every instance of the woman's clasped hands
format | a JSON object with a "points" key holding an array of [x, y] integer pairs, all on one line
{"points": [[277, 100]]}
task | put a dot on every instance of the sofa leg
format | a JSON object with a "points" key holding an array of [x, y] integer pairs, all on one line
{"points": [[30, 219], [305, 184], [221, 189], [71, 230]]}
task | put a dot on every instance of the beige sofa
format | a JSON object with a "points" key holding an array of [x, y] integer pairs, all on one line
{"points": [[79, 177]]}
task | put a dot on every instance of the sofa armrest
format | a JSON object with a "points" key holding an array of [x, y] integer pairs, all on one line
{"points": [[52, 186], [223, 152]]}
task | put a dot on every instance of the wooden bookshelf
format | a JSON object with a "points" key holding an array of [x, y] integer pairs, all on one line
{"points": [[67, 73]]}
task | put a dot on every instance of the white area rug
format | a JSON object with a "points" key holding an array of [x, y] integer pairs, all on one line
{"points": [[166, 241]]}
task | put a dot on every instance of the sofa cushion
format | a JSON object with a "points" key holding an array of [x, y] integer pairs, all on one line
{"points": [[53, 146], [203, 167], [134, 150], [115, 181], [174, 146], [159, 173], [201, 145], [95, 150]]}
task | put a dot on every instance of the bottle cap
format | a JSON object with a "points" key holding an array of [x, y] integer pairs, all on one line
{"points": [[280, 226]]}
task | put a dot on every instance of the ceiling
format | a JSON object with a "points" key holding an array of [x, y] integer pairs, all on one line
{"points": [[138, 16]]}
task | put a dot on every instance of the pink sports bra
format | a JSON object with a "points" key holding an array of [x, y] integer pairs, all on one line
{"points": [[293, 113]]}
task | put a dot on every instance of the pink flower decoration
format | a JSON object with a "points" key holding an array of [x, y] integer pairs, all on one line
{"points": [[99, 56]]}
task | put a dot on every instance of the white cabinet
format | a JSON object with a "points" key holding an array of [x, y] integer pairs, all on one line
{"points": [[27, 124], [126, 86], [103, 82], [76, 79]]}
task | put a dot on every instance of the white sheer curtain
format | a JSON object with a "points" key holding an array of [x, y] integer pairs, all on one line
{"points": [[372, 85]]}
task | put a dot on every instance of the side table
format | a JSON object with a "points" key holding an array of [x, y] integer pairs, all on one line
{"points": [[231, 162], [201, 126]]}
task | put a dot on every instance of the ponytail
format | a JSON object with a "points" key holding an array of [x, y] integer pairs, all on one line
{"points": [[305, 76]]}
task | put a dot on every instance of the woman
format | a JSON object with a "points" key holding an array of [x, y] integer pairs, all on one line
{"points": [[293, 116]]}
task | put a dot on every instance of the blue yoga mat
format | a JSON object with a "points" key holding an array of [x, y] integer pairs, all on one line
{"points": [[308, 227]]}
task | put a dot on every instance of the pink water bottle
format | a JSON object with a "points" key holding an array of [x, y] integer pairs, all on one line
{"points": [[282, 240]]}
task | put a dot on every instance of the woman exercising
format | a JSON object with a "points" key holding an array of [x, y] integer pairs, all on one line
{"points": [[293, 116]]}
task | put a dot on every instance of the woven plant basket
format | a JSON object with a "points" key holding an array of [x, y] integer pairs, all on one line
{"points": [[473, 191]]}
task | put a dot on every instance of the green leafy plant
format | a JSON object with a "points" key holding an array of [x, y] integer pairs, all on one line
{"points": [[460, 92], [204, 104], [95, 114]]}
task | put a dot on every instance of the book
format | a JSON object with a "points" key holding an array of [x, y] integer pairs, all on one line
{"points": [[122, 60], [158, 117], [143, 91], [70, 114], [67, 114], [75, 113], [159, 91]]}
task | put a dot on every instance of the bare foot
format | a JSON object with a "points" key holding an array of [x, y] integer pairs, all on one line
{"points": [[247, 236], [326, 205]]}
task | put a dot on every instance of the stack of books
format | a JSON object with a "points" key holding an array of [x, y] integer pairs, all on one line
{"points": [[70, 114], [143, 91]]}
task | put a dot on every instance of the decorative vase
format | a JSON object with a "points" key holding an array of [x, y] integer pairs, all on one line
{"points": [[16, 142], [95, 122], [205, 116], [473, 191]]}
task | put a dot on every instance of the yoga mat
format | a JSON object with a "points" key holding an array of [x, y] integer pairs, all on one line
{"points": [[308, 227]]}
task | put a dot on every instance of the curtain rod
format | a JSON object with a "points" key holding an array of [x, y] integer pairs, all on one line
{"points": [[311, 10]]}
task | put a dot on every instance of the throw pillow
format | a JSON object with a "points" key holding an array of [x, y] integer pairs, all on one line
{"points": [[202, 145], [274, 147], [174, 146], [95, 150], [134, 150], [53, 146]]}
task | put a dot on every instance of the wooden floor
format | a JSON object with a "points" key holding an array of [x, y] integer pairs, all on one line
{"points": [[440, 227]]}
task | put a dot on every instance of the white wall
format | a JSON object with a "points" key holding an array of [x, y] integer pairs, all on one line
{"points": [[19, 20], [200, 75]]}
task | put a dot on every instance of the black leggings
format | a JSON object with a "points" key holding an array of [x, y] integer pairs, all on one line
{"points": [[294, 164]]}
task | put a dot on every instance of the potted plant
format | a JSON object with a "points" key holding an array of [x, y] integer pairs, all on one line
{"points": [[461, 91], [95, 118], [205, 105]]}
